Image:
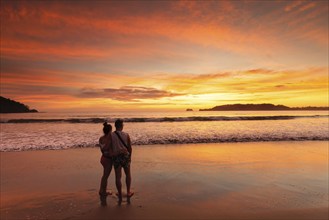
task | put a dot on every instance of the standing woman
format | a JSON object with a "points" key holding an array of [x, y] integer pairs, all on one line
{"points": [[106, 159]]}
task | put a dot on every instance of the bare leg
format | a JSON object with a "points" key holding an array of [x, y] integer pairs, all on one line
{"points": [[128, 180], [106, 173], [102, 190], [118, 183]]}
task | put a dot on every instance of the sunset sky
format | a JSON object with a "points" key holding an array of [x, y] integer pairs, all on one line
{"points": [[163, 55]]}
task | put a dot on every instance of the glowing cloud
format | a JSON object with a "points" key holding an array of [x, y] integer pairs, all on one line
{"points": [[127, 93]]}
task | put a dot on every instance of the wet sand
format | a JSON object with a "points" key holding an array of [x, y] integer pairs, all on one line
{"points": [[263, 180]]}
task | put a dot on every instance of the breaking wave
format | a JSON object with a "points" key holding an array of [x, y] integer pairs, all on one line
{"points": [[162, 119]]}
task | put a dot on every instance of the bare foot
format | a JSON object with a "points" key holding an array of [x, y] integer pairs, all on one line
{"points": [[130, 194], [105, 194]]}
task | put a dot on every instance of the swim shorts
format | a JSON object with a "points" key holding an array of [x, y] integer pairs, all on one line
{"points": [[122, 160]]}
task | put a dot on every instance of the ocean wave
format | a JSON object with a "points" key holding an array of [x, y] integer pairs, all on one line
{"points": [[85, 132], [170, 141], [162, 119]]}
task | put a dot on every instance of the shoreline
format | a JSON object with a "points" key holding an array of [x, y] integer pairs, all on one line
{"points": [[250, 180], [169, 144]]}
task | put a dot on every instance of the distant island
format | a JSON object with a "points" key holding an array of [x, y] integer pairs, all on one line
{"points": [[11, 106], [189, 110], [259, 107]]}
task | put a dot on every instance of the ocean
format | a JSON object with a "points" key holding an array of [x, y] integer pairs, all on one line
{"points": [[52, 131]]}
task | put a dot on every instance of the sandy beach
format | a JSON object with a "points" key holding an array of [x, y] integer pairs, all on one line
{"points": [[256, 180]]}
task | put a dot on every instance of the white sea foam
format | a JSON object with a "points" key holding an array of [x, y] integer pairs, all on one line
{"points": [[63, 135]]}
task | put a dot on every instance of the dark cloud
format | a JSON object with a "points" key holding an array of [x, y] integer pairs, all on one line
{"points": [[127, 93], [259, 71]]}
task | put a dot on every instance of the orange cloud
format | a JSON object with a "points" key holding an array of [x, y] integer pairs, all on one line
{"points": [[292, 5], [50, 30], [127, 93], [307, 6]]}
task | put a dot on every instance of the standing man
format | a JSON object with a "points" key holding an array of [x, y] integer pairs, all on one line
{"points": [[122, 152]]}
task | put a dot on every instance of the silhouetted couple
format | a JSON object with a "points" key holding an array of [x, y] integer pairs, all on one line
{"points": [[116, 151]]}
